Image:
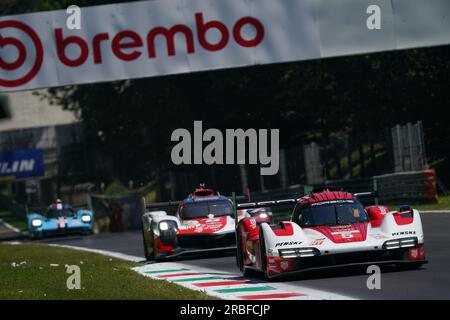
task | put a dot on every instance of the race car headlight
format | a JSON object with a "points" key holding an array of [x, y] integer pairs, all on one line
{"points": [[166, 225], [400, 243], [264, 215], [86, 218], [168, 233], [36, 223], [163, 226], [299, 252]]}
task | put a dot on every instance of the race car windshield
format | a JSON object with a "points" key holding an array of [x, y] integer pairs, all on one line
{"points": [[55, 213], [201, 210], [333, 214]]}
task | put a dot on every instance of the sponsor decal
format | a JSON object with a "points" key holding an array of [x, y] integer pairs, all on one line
{"points": [[22, 163], [347, 236], [342, 228], [284, 265], [402, 233], [204, 225], [345, 233], [317, 242], [288, 243], [315, 204], [22, 53], [414, 253], [144, 39]]}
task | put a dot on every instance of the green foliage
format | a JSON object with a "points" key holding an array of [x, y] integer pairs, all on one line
{"points": [[10, 7], [116, 189]]}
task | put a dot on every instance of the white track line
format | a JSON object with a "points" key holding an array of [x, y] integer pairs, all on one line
{"points": [[10, 227], [113, 254], [434, 211]]}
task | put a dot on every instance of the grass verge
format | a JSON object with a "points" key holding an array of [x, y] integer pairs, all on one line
{"points": [[443, 204], [40, 273]]}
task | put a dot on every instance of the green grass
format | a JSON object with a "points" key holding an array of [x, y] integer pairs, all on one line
{"points": [[443, 204], [102, 277], [10, 218]]}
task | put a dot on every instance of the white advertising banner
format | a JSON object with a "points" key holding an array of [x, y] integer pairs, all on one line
{"points": [[154, 38]]}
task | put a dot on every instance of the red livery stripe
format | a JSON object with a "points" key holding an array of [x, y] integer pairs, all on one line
{"points": [[178, 274], [221, 283]]}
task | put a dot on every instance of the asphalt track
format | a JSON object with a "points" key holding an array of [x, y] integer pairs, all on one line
{"points": [[432, 281]]}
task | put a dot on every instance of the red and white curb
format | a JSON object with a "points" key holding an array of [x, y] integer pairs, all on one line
{"points": [[231, 286]]}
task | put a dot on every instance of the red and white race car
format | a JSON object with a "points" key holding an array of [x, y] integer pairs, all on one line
{"points": [[203, 223], [329, 229]]}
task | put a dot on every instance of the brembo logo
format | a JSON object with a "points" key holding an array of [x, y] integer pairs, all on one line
{"points": [[126, 45], [22, 54]]}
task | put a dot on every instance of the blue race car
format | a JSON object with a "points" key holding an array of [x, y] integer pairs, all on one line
{"points": [[60, 219]]}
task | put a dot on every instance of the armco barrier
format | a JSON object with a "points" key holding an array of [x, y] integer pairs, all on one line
{"points": [[408, 187]]}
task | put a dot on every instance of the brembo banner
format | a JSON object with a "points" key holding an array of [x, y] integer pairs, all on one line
{"points": [[153, 38]]}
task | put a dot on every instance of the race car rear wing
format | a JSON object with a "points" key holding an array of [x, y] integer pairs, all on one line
{"points": [[366, 195], [158, 205], [273, 203], [175, 203], [251, 205]]}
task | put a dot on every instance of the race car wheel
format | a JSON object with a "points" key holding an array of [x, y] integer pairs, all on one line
{"points": [[241, 256], [34, 236], [239, 251], [262, 248], [147, 256]]}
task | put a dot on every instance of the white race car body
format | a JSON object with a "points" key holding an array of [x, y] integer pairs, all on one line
{"points": [[187, 236], [376, 237], [203, 223]]}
